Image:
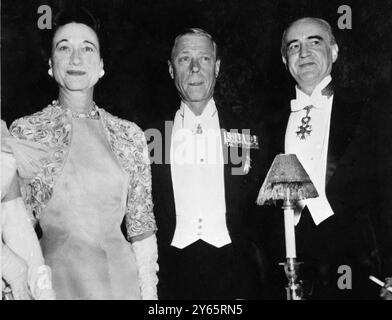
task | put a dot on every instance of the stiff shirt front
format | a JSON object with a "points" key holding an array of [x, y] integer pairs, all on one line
{"points": [[197, 169], [312, 151]]}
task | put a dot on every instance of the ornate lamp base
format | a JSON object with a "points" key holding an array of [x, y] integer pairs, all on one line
{"points": [[294, 287]]}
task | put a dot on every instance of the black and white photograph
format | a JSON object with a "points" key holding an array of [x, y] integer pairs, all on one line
{"points": [[196, 150]]}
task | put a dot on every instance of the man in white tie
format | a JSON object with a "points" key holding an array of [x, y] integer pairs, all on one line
{"points": [[333, 229], [200, 196]]}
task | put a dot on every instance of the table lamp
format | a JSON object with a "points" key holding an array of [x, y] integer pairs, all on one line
{"points": [[287, 180]]}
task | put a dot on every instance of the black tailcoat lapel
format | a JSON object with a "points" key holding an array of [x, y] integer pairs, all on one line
{"points": [[235, 184], [345, 116], [162, 186]]}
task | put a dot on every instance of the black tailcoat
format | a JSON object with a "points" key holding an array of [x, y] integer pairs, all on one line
{"points": [[240, 195], [347, 237]]}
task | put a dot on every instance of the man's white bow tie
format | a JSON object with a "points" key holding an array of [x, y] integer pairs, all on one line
{"points": [[318, 101]]}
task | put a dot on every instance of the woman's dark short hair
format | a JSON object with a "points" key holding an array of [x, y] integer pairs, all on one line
{"points": [[69, 15]]}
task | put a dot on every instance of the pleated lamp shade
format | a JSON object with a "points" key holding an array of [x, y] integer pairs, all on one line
{"points": [[286, 180]]}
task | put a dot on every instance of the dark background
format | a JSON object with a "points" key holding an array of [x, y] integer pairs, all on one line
{"points": [[139, 34]]}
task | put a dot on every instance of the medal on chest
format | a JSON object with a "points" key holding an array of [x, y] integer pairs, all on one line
{"points": [[305, 128]]}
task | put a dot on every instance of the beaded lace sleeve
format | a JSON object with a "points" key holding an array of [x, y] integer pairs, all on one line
{"points": [[139, 213]]}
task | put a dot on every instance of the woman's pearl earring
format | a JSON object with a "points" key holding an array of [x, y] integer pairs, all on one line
{"points": [[50, 72]]}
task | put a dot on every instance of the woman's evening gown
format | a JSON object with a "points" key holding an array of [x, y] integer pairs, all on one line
{"points": [[81, 225]]}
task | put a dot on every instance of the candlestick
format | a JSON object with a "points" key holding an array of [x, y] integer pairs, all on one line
{"points": [[287, 180], [294, 287]]}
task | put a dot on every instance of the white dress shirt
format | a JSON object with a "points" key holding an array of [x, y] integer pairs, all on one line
{"points": [[197, 166], [312, 151]]}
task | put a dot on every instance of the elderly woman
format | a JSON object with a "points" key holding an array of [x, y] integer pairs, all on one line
{"points": [[97, 173], [23, 271]]}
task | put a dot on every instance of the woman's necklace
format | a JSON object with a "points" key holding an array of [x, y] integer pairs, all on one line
{"points": [[92, 112]]}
